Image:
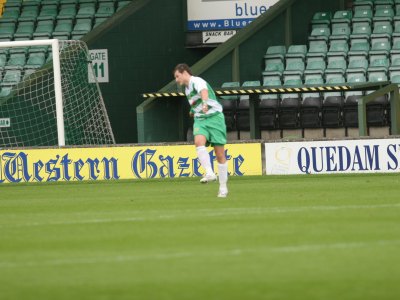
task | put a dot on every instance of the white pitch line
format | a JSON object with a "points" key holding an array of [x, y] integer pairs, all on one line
{"points": [[203, 213], [206, 254]]}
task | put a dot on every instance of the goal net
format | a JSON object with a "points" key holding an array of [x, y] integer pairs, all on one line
{"points": [[54, 104]]}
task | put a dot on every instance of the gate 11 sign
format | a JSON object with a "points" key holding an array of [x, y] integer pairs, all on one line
{"points": [[99, 58]]}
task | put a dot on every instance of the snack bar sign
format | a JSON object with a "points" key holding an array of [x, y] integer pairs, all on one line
{"points": [[224, 14]]}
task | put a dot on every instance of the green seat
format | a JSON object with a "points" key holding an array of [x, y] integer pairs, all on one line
{"points": [[13, 4], [321, 19], [44, 29], [35, 60], [383, 14], [273, 67], [27, 3], [86, 10], [315, 66], [360, 32], [10, 14], [11, 77], [276, 52], [67, 12], [357, 66], [7, 31], [294, 67], [24, 31], [48, 12], [317, 49], [380, 49], [336, 65], [99, 20], [27, 73], [338, 48], [341, 32], [3, 60], [363, 16], [380, 64], [122, 4], [63, 28], [82, 27], [363, 4], [320, 34], [16, 61], [296, 51], [342, 17], [29, 13], [359, 51], [106, 9], [382, 32], [271, 82]]}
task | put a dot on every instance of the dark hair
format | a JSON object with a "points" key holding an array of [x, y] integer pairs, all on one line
{"points": [[182, 68]]}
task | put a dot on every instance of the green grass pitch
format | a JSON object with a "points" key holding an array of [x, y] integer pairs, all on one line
{"points": [[274, 237]]}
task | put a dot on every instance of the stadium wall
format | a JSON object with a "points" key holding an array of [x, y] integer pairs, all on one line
{"points": [[145, 40], [180, 160], [238, 59]]}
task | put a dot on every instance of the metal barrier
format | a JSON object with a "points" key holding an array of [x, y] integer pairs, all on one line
{"points": [[381, 88]]}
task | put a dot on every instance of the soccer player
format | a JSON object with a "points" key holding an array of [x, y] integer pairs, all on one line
{"points": [[209, 124]]}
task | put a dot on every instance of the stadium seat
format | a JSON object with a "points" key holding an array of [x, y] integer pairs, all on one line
{"points": [[382, 33], [44, 29], [3, 60], [13, 4], [294, 67], [48, 12], [7, 31], [82, 26], [63, 28], [11, 77], [377, 109], [363, 16], [315, 65], [317, 49], [243, 113], [269, 104], [359, 50], [340, 33], [229, 104], [16, 61], [86, 10], [290, 105], [332, 105], [336, 65], [122, 4], [10, 15], [274, 52], [382, 15], [35, 60], [363, 4], [29, 14], [67, 12], [338, 48], [296, 51], [106, 9], [310, 108], [358, 67], [342, 17], [321, 19], [361, 33], [273, 67], [24, 31], [320, 34], [350, 108]]}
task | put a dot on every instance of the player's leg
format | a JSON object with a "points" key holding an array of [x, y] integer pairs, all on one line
{"points": [[204, 158], [222, 170]]}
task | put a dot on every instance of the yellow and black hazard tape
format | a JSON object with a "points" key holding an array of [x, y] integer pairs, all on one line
{"points": [[259, 90]]}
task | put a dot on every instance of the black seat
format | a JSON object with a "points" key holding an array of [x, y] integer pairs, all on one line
{"points": [[268, 110], [289, 113], [332, 110], [310, 112]]}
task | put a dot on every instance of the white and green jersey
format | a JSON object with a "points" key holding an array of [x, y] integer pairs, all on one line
{"points": [[192, 92]]}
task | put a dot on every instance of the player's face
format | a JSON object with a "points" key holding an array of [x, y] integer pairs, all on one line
{"points": [[180, 78]]}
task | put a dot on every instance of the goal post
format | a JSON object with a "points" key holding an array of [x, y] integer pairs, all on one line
{"points": [[54, 104]]}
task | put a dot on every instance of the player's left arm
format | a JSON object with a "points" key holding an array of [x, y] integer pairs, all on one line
{"points": [[204, 98]]}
